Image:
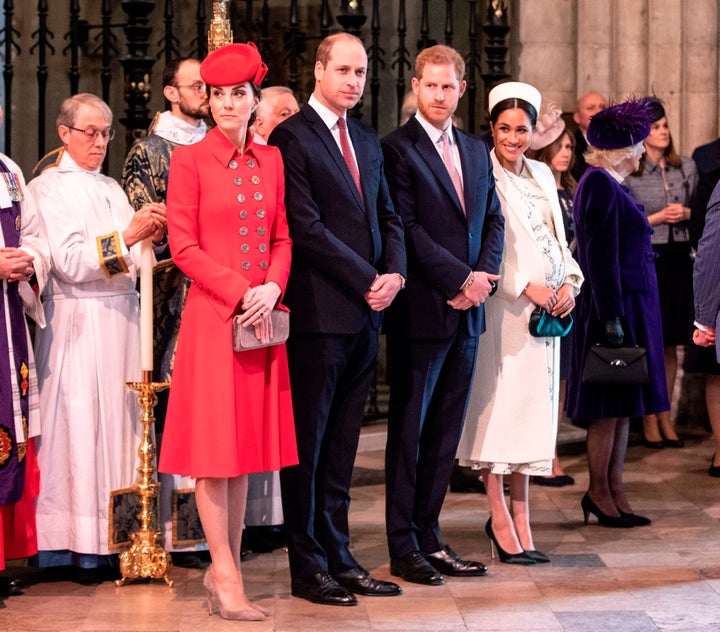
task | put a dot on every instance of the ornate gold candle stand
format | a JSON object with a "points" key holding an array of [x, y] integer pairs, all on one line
{"points": [[220, 32], [146, 557]]}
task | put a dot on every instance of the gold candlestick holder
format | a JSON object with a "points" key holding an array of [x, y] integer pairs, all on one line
{"points": [[220, 32], [145, 557]]}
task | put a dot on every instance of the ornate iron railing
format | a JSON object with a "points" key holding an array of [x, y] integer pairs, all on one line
{"points": [[128, 38]]}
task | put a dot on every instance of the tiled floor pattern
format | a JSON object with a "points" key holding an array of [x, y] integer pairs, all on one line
{"points": [[662, 577]]}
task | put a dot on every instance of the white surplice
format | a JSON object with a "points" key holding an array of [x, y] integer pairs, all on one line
{"points": [[89, 349]]}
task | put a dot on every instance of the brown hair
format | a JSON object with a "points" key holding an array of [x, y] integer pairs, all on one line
{"points": [[440, 56], [672, 158], [547, 153]]}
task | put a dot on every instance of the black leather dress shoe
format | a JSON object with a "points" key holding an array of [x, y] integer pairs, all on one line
{"points": [[413, 567], [10, 587], [323, 589], [450, 563], [357, 580]]}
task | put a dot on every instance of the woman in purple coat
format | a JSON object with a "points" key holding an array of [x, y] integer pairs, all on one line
{"points": [[618, 304]]}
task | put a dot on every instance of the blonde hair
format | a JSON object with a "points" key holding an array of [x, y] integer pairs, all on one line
{"points": [[610, 157]]}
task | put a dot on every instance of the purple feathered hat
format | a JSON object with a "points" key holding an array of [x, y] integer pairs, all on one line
{"points": [[621, 125]]}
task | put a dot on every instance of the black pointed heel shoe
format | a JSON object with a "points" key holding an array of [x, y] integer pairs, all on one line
{"points": [[673, 443], [638, 521], [505, 557], [614, 522], [655, 445], [714, 469], [537, 557]]}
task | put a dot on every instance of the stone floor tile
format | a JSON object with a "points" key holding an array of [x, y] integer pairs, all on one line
{"points": [[625, 620]]}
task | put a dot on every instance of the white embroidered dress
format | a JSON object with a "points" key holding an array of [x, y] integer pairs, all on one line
{"points": [[511, 419], [89, 349]]}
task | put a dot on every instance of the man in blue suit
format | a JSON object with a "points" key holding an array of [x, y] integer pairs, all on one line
{"points": [[442, 185], [706, 278], [348, 265]]}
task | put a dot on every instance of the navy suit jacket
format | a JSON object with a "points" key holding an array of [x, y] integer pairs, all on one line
{"points": [[443, 245], [706, 272], [341, 241], [707, 161]]}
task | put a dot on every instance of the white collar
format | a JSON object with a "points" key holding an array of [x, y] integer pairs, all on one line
{"points": [[328, 116], [433, 132], [177, 131], [615, 175], [68, 165]]}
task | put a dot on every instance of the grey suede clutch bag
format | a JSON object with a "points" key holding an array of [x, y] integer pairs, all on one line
{"points": [[244, 338]]}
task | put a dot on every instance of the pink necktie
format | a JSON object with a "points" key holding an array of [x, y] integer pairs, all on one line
{"points": [[450, 166], [348, 155]]}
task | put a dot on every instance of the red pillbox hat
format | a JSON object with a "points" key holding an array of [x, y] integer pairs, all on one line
{"points": [[233, 64]]}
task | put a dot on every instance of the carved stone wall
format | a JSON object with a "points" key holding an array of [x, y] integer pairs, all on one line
{"points": [[619, 47]]}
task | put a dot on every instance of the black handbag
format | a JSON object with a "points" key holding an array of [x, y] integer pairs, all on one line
{"points": [[543, 325], [615, 365]]}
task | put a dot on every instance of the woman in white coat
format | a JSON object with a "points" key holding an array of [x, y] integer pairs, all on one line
{"points": [[511, 421]]}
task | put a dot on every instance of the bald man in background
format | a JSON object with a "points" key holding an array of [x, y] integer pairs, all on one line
{"points": [[587, 106]]}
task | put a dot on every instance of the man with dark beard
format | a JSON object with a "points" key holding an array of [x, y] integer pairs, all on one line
{"points": [[144, 178], [145, 173]]}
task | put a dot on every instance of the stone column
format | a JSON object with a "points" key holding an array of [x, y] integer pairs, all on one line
{"points": [[593, 42], [698, 123], [547, 33]]}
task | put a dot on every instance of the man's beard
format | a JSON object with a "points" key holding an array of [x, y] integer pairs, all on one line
{"points": [[196, 113]]}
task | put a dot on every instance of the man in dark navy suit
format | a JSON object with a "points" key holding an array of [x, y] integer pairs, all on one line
{"points": [[348, 265], [442, 185]]}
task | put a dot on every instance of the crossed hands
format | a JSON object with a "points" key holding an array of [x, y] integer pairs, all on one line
{"points": [[474, 293], [556, 303], [382, 291], [15, 265], [148, 221], [257, 305], [672, 214]]}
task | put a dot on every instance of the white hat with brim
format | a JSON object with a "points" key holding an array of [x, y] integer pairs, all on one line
{"points": [[515, 90]]}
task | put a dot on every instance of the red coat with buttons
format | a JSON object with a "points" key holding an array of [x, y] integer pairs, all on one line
{"points": [[228, 413]]}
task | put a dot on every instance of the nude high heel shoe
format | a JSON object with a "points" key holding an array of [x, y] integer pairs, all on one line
{"points": [[214, 604]]}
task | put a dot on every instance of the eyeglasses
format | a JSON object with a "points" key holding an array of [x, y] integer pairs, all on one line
{"points": [[91, 133], [198, 86]]}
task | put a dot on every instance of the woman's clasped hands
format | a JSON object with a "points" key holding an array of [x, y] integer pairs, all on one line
{"points": [[556, 302], [257, 306]]}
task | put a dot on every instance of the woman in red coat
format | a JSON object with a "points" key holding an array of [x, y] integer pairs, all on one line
{"points": [[229, 413]]}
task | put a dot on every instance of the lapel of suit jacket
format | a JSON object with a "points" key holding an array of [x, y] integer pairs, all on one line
{"points": [[547, 183], [333, 150], [513, 202], [469, 166], [362, 155], [430, 155]]}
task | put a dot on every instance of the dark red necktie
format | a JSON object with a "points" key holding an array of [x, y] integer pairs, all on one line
{"points": [[348, 155]]}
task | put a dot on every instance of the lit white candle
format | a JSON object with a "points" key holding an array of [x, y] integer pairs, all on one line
{"points": [[146, 304]]}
